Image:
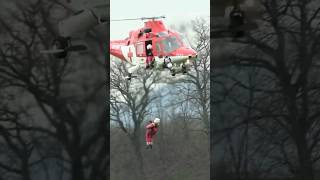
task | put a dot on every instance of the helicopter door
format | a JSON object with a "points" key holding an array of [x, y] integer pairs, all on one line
{"points": [[141, 53], [148, 51]]}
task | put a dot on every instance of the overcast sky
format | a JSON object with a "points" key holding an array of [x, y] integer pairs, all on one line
{"points": [[176, 12]]}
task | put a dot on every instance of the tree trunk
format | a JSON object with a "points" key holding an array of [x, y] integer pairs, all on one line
{"points": [[137, 150], [306, 171], [163, 159], [77, 167], [299, 127], [25, 170]]}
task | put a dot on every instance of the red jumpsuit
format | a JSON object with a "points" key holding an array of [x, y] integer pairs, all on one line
{"points": [[149, 59], [149, 53], [149, 56], [152, 129]]}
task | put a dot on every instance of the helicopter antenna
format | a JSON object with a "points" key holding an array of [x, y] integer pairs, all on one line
{"points": [[142, 18]]}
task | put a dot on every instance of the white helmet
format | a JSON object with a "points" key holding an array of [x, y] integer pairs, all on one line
{"points": [[169, 65], [156, 120]]}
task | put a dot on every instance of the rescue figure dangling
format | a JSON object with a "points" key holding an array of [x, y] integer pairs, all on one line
{"points": [[151, 130]]}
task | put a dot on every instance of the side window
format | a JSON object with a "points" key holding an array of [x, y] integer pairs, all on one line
{"points": [[140, 48], [158, 47]]}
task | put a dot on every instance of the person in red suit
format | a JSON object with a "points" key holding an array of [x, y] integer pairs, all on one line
{"points": [[150, 56], [151, 130]]}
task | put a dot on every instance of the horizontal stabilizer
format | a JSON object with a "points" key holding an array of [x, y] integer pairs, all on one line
{"points": [[71, 48], [51, 51], [77, 48]]}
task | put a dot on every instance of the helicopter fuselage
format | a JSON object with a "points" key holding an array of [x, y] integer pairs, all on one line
{"points": [[165, 43]]}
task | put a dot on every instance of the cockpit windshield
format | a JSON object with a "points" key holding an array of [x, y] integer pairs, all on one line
{"points": [[185, 41], [170, 44]]}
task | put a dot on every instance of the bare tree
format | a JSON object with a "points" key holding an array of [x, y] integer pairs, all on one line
{"points": [[284, 109], [130, 101], [18, 145], [49, 85], [195, 87]]}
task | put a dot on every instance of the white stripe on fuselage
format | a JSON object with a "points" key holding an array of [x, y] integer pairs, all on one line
{"points": [[134, 59]]}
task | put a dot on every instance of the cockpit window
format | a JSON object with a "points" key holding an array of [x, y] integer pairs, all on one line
{"points": [[162, 34], [170, 44], [185, 41], [158, 47]]}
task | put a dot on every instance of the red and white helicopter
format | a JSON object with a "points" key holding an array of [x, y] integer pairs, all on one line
{"points": [[170, 49]]}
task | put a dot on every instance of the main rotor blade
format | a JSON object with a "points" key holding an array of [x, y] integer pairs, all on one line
{"points": [[142, 18]]}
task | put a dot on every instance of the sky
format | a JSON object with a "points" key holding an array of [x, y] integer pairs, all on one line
{"points": [[176, 12]]}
